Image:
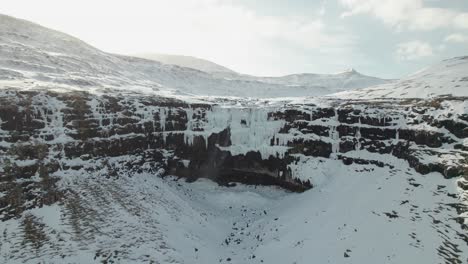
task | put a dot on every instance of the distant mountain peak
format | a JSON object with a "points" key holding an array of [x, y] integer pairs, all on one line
{"points": [[349, 71], [448, 77]]}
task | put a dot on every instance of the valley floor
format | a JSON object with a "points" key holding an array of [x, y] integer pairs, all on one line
{"points": [[355, 214]]}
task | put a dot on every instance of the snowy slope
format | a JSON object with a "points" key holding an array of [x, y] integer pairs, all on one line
{"points": [[448, 78], [186, 61], [347, 80], [321, 83], [298, 85], [394, 216], [34, 53]]}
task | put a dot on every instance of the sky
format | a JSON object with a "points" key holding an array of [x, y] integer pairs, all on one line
{"points": [[384, 38]]}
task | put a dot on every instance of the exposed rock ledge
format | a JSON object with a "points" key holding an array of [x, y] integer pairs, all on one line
{"points": [[44, 134]]}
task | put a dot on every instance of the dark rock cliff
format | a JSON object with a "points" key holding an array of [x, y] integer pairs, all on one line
{"points": [[44, 134]]}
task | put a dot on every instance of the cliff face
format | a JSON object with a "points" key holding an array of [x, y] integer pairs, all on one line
{"points": [[46, 135]]}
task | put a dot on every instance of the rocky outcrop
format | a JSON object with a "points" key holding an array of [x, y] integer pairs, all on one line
{"points": [[43, 134]]}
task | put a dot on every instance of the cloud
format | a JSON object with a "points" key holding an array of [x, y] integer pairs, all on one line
{"points": [[407, 14], [219, 30], [323, 8], [413, 50], [457, 38], [461, 20]]}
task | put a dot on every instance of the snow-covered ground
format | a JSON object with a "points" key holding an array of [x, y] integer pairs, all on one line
{"points": [[356, 214]]}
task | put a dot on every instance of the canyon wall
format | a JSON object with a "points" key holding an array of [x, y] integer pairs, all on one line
{"points": [[45, 135]]}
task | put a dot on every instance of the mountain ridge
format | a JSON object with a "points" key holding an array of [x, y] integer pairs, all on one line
{"points": [[446, 78], [186, 61], [69, 60]]}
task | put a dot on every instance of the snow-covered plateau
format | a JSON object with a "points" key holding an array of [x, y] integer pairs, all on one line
{"points": [[113, 159]]}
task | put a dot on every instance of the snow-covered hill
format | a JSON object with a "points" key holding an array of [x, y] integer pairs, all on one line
{"points": [[358, 216], [326, 83], [320, 83], [29, 51], [347, 80], [186, 61], [448, 78]]}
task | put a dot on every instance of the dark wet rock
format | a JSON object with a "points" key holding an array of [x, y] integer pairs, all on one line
{"points": [[463, 185], [349, 161], [346, 146], [391, 214], [313, 148], [377, 133], [459, 129]]}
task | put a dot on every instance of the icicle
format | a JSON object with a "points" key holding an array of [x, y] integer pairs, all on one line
{"points": [[188, 138], [162, 119], [205, 137], [188, 135], [251, 130], [358, 135], [334, 135]]}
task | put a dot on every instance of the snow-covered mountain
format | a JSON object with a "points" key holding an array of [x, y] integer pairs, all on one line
{"points": [[320, 83], [447, 78], [113, 159], [343, 81], [37, 53], [186, 61]]}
